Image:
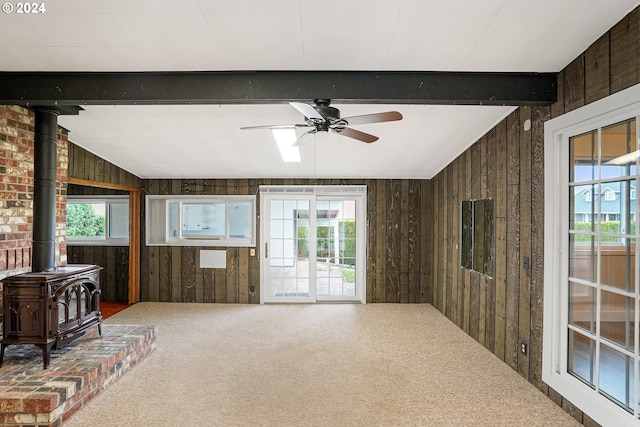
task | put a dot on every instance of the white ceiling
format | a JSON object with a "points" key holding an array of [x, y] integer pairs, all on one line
{"points": [[218, 35]]}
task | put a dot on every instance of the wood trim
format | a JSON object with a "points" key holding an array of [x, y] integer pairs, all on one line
{"points": [[134, 230], [101, 184], [134, 247]]}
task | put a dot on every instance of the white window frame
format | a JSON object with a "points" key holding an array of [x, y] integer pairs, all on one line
{"points": [[179, 239], [613, 109], [107, 240]]}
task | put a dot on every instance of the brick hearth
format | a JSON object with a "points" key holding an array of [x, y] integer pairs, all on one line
{"points": [[30, 395]]}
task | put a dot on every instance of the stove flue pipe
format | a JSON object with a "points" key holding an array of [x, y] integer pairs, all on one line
{"points": [[44, 189]]}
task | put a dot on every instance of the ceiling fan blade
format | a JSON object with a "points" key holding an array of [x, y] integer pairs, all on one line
{"points": [[276, 127], [304, 138], [308, 111], [356, 134], [389, 116]]}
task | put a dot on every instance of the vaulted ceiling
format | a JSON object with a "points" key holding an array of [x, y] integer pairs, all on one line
{"points": [[164, 139]]}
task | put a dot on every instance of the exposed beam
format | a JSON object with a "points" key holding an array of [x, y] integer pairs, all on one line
{"points": [[244, 87]]}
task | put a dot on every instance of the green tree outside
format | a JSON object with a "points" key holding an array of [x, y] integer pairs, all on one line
{"points": [[82, 221]]}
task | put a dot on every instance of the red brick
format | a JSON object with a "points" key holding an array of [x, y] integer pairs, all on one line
{"points": [[11, 259], [10, 402], [26, 257], [40, 403], [19, 258]]}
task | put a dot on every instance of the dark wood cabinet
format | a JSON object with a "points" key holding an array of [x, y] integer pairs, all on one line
{"points": [[50, 308]]}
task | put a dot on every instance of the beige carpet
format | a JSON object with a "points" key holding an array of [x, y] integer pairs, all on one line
{"points": [[314, 365]]}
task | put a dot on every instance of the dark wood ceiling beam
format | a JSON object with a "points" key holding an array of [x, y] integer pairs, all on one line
{"points": [[244, 87]]}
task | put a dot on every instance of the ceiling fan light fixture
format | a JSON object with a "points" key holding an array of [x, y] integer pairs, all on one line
{"points": [[285, 139]]}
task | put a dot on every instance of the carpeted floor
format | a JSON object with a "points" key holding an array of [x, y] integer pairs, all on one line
{"points": [[314, 365]]}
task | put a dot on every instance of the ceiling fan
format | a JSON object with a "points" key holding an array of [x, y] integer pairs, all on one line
{"points": [[323, 118]]}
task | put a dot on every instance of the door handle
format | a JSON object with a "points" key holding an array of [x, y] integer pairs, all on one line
{"points": [[266, 250]]}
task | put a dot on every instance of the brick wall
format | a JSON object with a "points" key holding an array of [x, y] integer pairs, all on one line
{"points": [[16, 191]]}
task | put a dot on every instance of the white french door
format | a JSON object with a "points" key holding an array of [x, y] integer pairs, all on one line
{"points": [[313, 245]]}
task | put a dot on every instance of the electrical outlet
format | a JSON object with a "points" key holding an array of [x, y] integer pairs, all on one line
{"points": [[252, 252], [523, 348]]}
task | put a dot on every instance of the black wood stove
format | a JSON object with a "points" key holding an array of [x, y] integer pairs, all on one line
{"points": [[50, 308]]}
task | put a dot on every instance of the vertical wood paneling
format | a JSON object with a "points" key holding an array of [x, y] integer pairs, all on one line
{"points": [[466, 274], [513, 241], [574, 95], [439, 238], [476, 189], [426, 242], [490, 318], [392, 267], [597, 70], [524, 301], [446, 238], [164, 275], [188, 266], [454, 228], [372, 231], [381, 232], [501, 239], [404, 242], [625, 52], [539, 116], [122, 273], [413, 241], [557, 109]]}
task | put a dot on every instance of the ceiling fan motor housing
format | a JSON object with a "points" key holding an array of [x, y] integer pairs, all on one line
{"points": [[322, 107]]}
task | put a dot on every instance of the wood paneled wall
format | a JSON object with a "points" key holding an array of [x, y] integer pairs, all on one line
{"points": [[505, 311], [397, 260], [114, 260]]}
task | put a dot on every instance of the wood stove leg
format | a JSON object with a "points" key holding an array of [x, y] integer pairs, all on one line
{"points": [[46, 355], [100, 329], [2, 347]]}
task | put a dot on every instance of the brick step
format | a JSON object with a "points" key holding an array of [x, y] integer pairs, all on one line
{"points": [[30, 395]]}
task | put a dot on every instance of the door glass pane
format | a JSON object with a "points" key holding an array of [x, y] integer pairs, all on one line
{"points": [[618, 141], [616, 375], [583, 153], [581, 257], [617, 319], [582, 356], [289, 248], [582, 306], [336, 247], [617, 262], [582, 208]]}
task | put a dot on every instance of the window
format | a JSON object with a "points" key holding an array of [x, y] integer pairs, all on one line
{"points": [[201, 220], [98, 220], [591, 353]]}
